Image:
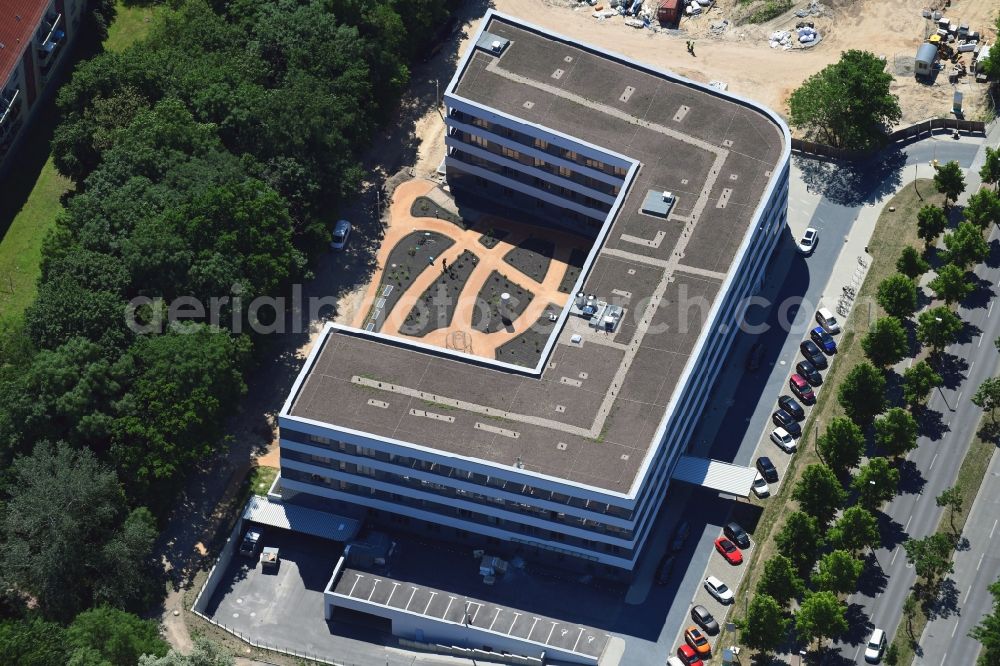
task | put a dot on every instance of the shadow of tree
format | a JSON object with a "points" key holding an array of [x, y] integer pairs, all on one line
{"points": [[873, 579], [993, 258], [981, 295], [968, 333], [951, 368], [853, 184], [891, 532], [944, 602], [859, 625]]}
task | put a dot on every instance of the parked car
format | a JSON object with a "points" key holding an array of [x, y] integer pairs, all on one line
{"points": [[875, 647], [341, 232], [676, 661], [719, 590], [665, 569], [697, 640], [681, 533], [809, 371], [729, 551], [760, 487], [788, 404], [800, 387], [826, 319], [688, 656], [705, 620], [813, 354], [767, 469], [755, 355], [250, 543], [824, 340], [736, 534], [808, 241], [784, 420], [784, 440]]}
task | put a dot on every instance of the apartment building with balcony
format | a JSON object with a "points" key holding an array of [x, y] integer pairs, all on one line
{"points": [[570, 460], [34, 37]]}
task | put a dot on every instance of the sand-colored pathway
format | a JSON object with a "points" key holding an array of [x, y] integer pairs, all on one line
{"points": [[546, 292]]}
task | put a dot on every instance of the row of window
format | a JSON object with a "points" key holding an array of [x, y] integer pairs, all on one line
{"points": [[511, 526], [456, 493], [537, 143], [449, 472]]}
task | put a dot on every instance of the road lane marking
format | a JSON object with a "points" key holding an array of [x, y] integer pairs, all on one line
{"points": [[933, 460], [953, 633], [971, 366], [980, 561], [856, 653], [894, 554], [959, 398], [907, 525], [966, 598], [980, 341], [994, 527], [990, 311]]}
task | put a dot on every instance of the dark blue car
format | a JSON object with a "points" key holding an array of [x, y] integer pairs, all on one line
{"points": [[824, 340]]}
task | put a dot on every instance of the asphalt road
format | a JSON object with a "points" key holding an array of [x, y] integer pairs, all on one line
{"points": [[945, 639], [931, 468]]}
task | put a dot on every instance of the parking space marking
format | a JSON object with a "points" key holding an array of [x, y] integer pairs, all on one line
{"points": [[478, 606], [532, 630], [516, 617], [447, 608], [579, 636], [429, 600], [351, 594], [412, 594], [497, 617], [395, 584], [374, 585], [549, 637]]}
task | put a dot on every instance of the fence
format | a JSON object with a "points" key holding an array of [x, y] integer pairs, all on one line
{"points": [[473, 654], [899, 136]]}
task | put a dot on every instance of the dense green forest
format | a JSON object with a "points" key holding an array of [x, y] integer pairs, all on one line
{"points": [[209, 159]]}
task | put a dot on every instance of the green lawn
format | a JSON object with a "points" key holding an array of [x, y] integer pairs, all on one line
{"points": [[29, 208]]}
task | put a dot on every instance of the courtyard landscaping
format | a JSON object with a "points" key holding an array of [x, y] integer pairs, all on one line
{"points": [[576, 259], [526, 348], [532, 257], [436, 306], [406, 261], [488, 318]]}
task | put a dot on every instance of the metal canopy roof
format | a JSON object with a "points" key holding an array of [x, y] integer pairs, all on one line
{"points": [[715, 474], [300, 519]]}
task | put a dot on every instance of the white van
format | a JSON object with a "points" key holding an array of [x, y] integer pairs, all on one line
{"points": [[826, 319]]}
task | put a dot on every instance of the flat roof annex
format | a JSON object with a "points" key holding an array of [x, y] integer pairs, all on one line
{"points": [[591, 413]]}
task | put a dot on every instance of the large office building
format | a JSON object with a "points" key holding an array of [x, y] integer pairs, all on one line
{"points": [[34, 35], [568, 460]]}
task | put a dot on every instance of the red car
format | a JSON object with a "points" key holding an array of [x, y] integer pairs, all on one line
{"points": [[687, 654], [729, 550], [801, 388]]}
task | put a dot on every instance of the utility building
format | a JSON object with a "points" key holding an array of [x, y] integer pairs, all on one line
{"points": [[684, 189]]}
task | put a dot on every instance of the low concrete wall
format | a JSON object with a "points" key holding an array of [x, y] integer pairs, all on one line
{"points": [[477, 656], [901, 135], [218, 570]]}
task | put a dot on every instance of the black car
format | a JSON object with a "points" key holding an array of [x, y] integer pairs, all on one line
{"points": [[737, 535], [809, 371], [754, 356], [665, 569], [813, 354], [787, 421], [767, 469], [788, 404], [705, 620], [681, 533]]}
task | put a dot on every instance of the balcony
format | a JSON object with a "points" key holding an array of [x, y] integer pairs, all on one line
{"points": [[50, 37], [10, 109]]}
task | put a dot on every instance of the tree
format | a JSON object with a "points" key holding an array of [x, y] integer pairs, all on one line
{"points": [[885, 342], [838, 572], [856, 529], [32, 642], [119, 638], [780, 580], [847, 104], [821, 616], [966, 245], [987, 397], [952, 499], [897, 294], [911, 264], [799, 528], [990, 171], [950, 284], [949, 180], [983, 208], [841, 445], [931, 221], [875, 483], [987, 631], [919, 380], [862, 395], [765, 625], [205, 653], [938, 328], [819, 493], [63, 526], [930, 557], [896, 432], [910, 607]]}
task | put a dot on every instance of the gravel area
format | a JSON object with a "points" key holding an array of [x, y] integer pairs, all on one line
{"points": [[526, 348], [493, 236], [436, 306], [426, 207], [576, 259], [532, 257], [487, 317]]}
